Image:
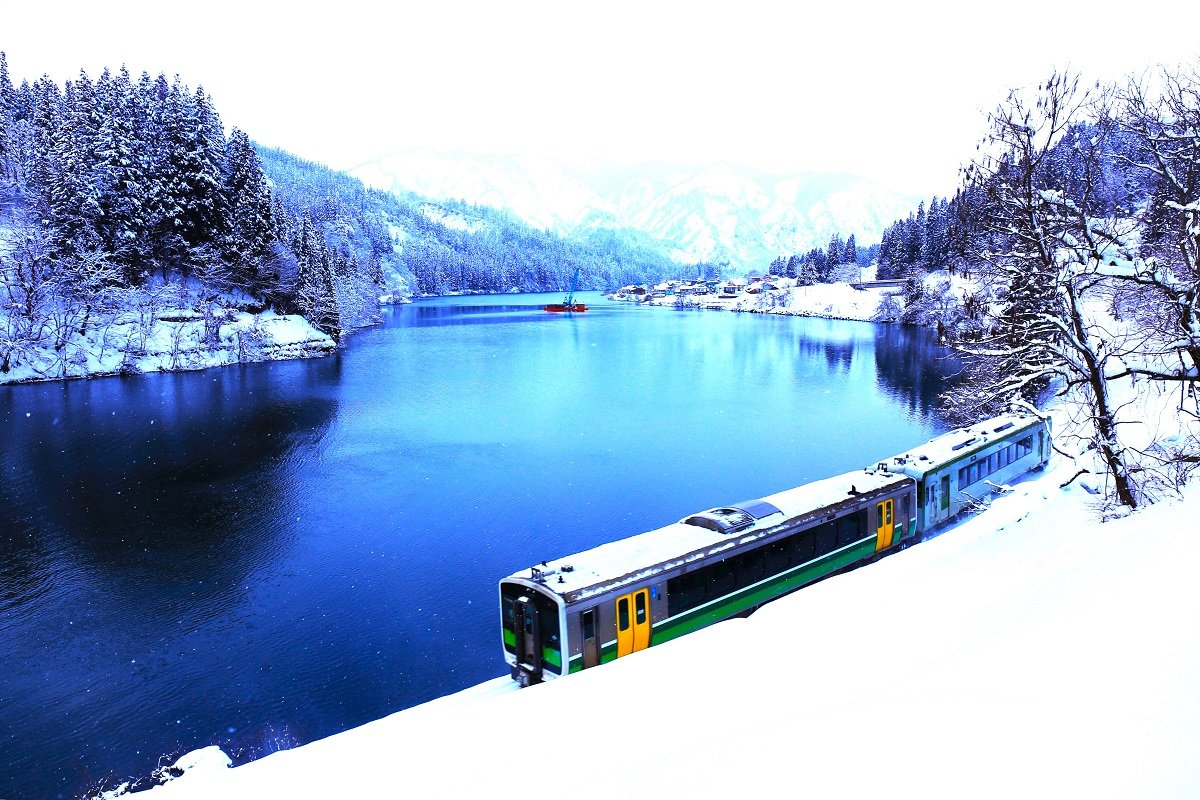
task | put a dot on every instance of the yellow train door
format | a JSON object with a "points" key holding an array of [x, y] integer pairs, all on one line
{"points": [[887, 524], [633, 622]]}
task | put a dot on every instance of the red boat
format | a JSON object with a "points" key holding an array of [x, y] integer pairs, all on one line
{"points": [[568, 304]]}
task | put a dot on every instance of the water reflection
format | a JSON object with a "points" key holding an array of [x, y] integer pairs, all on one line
{"points": [[912, 366], [138, 510]]}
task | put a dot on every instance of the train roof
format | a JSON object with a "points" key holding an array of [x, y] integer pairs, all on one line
{"points": [[959, 443], [631, 560]]}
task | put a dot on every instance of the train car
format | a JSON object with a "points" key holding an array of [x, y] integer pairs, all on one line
{"points": [[592, 607], [957, 469]]}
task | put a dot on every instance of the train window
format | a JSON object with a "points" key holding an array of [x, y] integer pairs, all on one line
{"points": [[547, 619], [589, 624], [721, 578], [804, 547], [639, 607], [848, 528], [1026, 445], [826, 538], [991, 464], [776, 557], [508, 622], [962, 477], [682, 593], [623, 614], [750, 568]]}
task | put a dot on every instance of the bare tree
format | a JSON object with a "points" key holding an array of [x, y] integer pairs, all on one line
{"points": [[1165, 125], [1042, 243]]}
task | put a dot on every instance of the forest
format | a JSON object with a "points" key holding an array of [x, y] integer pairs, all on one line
{"points": [[120, 196]]}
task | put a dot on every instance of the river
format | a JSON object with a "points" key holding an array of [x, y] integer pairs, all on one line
{"points": [[262, 555]]}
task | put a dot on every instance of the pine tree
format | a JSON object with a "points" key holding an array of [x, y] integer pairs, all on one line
{"points": [[850, 255], [7, 109], [833, 253], [117, 205], [250, 232], [933, 239], [188, 203], [315, 296]]}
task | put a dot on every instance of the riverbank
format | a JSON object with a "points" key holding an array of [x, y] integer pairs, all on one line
{"points": [[165, 340], [1029, 650], [824, 300]]}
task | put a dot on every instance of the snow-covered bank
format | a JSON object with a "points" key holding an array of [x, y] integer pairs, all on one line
{"points": [[828, 300], [1030, 651], [172, 340]]}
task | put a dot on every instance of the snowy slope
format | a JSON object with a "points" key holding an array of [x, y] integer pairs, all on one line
{"points": [[718, 213], [1030, 651]]}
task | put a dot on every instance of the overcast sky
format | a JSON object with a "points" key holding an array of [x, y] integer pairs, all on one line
{"points": [[892, 91]]}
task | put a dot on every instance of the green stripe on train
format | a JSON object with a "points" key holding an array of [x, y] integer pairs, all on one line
{"points": [[697, 618], [552, 657]]}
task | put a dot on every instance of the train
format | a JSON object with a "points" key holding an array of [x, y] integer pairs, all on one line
{"points": [[586, 609]]}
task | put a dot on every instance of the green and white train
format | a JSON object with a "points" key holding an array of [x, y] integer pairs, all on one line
{"points": [[589, 608]]}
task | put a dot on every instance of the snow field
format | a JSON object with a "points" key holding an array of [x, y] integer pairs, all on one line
{"points": [[1030, 651]]}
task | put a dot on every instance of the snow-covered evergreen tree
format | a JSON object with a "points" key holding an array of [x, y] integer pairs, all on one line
{"points": [[315, 296], [7, 109], [850, 254], [251, 229]]}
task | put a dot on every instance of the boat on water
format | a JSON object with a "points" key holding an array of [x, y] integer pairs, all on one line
{"points": [[568, 304]]}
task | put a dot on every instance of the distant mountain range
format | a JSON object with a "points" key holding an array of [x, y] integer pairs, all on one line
{"points": [[721, 214]]}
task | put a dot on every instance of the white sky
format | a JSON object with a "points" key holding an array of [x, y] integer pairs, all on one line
{"points": [[887, 90]]}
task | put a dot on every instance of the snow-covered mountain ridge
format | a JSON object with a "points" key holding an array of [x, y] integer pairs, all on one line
{"points": [[719, 213]]}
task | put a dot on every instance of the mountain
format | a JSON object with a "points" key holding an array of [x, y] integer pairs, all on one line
{"points": [[719, 213]]}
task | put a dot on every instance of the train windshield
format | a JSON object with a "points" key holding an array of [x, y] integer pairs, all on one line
{"points": [[529, 619]]}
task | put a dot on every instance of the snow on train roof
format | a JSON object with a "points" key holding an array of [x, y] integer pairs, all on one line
{"points": [[962, 441], [625, 561]]}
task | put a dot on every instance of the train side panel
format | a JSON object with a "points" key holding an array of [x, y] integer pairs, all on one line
{"points": [[744, 580], [952, 478]]}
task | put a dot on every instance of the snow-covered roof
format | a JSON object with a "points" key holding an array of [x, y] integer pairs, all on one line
{"points": [[633, 559], [960, 442]]}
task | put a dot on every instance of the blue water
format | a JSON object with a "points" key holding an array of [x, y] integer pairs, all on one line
{"points": [[260, 556]]}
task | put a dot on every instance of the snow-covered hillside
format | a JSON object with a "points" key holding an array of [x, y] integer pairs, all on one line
{"points": [[1029, 651], [719, 213]]}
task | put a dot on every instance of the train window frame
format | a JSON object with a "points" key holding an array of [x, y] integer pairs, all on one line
{"points": [[508, 620], [551, 634], [587, 624]]}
